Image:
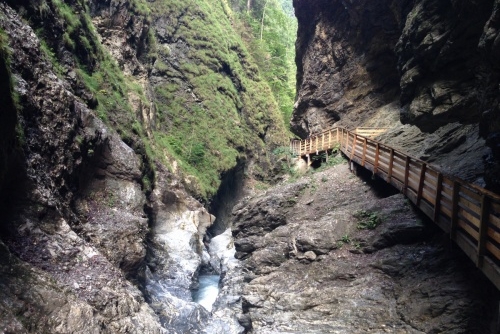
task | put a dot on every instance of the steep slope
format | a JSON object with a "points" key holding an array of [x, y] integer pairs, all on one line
{"points": [[105, 139], [425, 69], [331, 253], [204, 79]]}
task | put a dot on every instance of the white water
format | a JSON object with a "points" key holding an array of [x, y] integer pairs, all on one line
{"points": [[207, 292]]}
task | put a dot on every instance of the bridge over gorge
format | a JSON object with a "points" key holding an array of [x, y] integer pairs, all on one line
{"points": [[470, 214]]}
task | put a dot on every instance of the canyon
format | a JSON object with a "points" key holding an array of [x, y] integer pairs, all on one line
{"points": [[136, 147]]}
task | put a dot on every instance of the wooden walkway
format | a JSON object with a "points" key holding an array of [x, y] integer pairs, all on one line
{"points": [[470, 214]]}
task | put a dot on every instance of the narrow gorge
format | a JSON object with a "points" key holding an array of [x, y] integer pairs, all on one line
{"points": [[147, 185]]}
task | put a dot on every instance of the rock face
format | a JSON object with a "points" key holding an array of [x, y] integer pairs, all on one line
{"points": [[326, 254], [58, 269], [428, 64], [99, 230]]}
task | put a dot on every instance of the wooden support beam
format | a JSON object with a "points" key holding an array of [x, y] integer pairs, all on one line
{"points": [[344, 143], [377, 155], [355, 140], [483, 229], [364, 153], [407, 175], [421, 182], [454, 210], [391, 165], [439, 188]]}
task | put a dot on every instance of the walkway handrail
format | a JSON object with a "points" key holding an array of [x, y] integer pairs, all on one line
{"points": [[470, 214], [370, 132]]}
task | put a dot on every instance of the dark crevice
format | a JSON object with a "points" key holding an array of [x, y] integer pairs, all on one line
{"points": [[230, 191]]}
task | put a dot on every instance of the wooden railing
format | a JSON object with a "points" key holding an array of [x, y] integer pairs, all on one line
{"points": [[470, 214], [370, 132]]}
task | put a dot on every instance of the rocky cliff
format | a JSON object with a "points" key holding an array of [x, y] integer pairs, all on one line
{"points": [[332, 253], [425, 69], [115, 119]]}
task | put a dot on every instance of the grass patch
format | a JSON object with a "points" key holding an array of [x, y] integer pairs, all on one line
{"points": [[367, 220]]}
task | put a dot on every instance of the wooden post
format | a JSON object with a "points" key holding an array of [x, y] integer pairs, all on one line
{"points": [[308, 160], [344, 140], [421, 183], [346, 144], [364, 153], [355, 140], [437, 199], [483, 229], [391, 165], [407, 174], [454, 209], [377, 154], [322, 141]]}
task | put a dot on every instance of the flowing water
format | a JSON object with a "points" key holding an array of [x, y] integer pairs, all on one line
{"points": [[207, 291]]}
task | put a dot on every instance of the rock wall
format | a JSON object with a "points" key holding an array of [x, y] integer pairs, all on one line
{"points": [[98, 235], [58, 270], [426, 69], [328, 253]]}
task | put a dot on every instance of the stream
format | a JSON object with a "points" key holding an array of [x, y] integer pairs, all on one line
{"points": [[207, 292]]}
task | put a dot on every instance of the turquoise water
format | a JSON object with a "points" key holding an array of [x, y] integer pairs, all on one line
{"points": [[207, 291]]}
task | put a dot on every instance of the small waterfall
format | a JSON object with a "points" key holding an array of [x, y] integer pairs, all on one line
{"points": [[207, 292]]}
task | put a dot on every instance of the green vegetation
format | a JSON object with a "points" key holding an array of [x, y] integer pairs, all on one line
{"points": [[216, 103], [345, 239], [269, 29], [212, 103], [367, 220], [110, 90], [312, 186], [11, 134], [285, 155], [328, 161]]}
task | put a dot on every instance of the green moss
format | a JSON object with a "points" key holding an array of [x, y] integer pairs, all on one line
{"points": [[213, 106], [47, 50], [11, 134]]}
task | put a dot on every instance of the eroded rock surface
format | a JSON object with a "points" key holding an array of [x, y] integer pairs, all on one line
{"points": [[429, 64], [57, 270], [312, 265]]}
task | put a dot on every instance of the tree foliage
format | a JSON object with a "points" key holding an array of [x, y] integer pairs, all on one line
{"points": [[273, 27]]}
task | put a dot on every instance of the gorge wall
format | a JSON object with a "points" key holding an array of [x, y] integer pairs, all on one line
{"points": [[428, 70], [120, 118]]}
